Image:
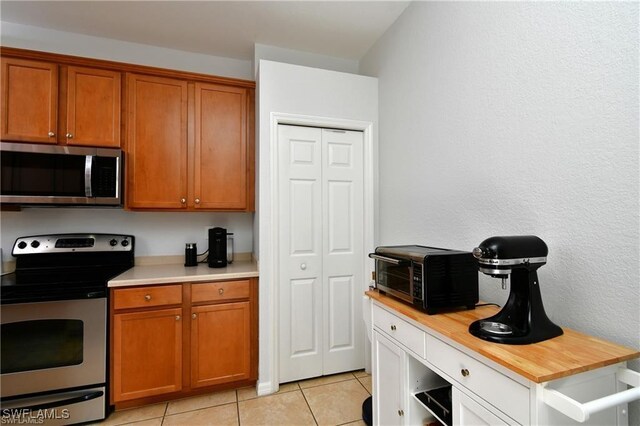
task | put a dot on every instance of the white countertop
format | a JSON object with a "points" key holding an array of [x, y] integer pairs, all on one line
{"points": [[178, 273]]}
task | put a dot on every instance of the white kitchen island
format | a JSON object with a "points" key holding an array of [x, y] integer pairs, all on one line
{"points": [[571, 379]]}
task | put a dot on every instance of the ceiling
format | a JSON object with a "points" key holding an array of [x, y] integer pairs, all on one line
{"points": [[344, 29]]}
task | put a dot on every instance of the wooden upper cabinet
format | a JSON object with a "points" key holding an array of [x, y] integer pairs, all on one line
{"points": [[29, 100], [93, 107], [157, 142], [220, 172], [47, 103]]}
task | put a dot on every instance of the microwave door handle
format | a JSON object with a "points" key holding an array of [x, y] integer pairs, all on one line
{"points": [[88, 171], [391, 260]]}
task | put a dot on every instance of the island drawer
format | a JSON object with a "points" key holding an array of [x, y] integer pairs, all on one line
{"points": [[403, 332], [502, 392]]}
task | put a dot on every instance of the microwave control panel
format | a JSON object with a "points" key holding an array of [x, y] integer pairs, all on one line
{"points": [[416, 280]]}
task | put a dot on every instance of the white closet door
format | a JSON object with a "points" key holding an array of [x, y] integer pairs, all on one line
{"points": [[300, 239], [343, 245], [321, 251]]}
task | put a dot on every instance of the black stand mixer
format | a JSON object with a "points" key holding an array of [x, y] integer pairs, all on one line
{"points": [[522, 320]]}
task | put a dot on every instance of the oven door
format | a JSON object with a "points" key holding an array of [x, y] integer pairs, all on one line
{"points": [[52, 345], [393, 276]]}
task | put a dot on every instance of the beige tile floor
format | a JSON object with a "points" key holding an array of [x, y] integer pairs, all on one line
{"points": [[328, 400]]}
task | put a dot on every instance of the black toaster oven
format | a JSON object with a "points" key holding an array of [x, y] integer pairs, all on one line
{"points": [[431, 279]]}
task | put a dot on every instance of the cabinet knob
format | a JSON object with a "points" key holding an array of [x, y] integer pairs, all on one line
{"points": [[393, 328], [221, 291], [147, 297], [194, 316], [183, 200], [177, 317], [51, 134], [69, 135], [197, 200], [401, 413], [303, 266], [464, 372]]}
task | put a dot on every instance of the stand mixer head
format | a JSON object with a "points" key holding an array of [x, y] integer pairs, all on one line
{"points": [[522, 320]]}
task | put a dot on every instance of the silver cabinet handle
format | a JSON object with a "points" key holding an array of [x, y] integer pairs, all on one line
{"points": [[221, 291], [70, 135], [393, 328], [147, 297], [177, 317], [183, 200], [303, 266], [197, 200], [464, 372], [51, 134], [194, 316]]}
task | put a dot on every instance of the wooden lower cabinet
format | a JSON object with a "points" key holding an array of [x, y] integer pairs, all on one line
{"points": [[159, 354], [220, 343], [147, 353]]}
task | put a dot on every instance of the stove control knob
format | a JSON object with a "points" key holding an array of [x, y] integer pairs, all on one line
{"points": [[35, 243], [22, 245], [125, 243], [113, 243]]}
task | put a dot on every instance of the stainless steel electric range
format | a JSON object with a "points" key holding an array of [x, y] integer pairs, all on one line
{"points": [[54, 327]]}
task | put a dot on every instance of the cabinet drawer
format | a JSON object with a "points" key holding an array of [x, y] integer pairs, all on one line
{"points": [[143, 297], [507, 395], [220, 291], [400, 330]]}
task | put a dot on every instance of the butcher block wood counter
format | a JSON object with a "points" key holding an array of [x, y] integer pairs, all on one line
{"points": [[563, 356]]}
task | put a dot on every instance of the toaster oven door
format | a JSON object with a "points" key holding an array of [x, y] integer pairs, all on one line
{"points": [[394, 276]]}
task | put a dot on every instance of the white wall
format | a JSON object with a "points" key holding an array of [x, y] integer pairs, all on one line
{"points": [[296, 57], [500, 118], [293, 89], [46, 40], [158, 233]]}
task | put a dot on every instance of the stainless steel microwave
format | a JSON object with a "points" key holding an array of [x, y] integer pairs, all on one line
{"points": [[429, 278], [34, 174]]}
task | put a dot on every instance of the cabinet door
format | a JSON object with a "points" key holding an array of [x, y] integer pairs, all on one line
{"points": [[157, 142], [29, 100], [220, 147], [389, 399], [468, 412], [147, 353], [93, 107], [220, 343]]}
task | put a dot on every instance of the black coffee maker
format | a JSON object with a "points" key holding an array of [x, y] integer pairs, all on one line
{"points": [[218, 248], [522, 320]]}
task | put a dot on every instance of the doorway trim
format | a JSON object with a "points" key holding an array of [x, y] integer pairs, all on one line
{"points": [[271, 385]]}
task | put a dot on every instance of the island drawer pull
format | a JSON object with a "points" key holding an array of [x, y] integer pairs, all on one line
{"points": [[581, 412]]}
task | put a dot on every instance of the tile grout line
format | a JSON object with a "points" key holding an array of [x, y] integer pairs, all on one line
{"points": [[238, 405], [362, 384], [310, 410]]}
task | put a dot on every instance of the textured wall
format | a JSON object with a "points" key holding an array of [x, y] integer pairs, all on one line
{"points": [[519, 118]]}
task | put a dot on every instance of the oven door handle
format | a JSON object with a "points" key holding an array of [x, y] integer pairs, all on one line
{"points": [[67, 401], [398, 262]]}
